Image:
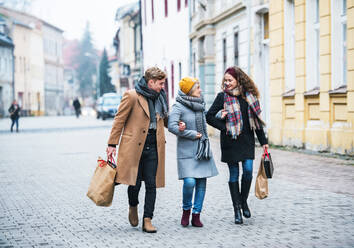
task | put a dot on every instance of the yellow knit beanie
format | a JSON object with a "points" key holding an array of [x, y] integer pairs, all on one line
{"points": [[186, 84]]}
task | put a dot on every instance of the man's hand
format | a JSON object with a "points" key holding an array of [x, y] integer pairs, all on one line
{"points": [[111, 151], [181, 126], [199, 135]]}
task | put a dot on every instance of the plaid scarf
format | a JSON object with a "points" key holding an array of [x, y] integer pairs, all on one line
{"points": [[234, 122]]}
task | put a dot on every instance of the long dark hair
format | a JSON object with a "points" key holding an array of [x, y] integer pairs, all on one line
{"points": [[246, 83]]}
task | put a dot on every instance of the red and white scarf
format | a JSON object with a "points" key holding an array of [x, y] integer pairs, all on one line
{"points": [[234, 122]]}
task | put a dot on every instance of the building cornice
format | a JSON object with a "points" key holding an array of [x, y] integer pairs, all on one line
{"points": [[197, 34], [223, 15]]}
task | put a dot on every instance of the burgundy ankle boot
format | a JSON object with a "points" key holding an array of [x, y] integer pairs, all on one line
{"points": [[185, 217], [196, 220]]}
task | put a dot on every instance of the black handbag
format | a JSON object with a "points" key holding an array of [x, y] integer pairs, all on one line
{"points": [[203, 151], [268, 164]]}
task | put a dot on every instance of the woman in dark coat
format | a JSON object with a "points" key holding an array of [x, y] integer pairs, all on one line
{"points": [[236, 113], [14, 111]]}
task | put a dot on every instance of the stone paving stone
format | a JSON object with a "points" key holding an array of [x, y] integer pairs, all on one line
{"points": [[44, 178]]}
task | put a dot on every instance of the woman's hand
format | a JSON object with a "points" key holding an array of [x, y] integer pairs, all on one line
{"points": [[181, 126], [265, 147], [223, 113], [199, 135]]}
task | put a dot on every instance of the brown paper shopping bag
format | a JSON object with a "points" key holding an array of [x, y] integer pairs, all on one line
{"points": [[261, 188], [101, 187]]}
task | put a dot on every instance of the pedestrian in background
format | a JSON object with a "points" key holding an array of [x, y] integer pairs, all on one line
{"points": [[77, 107], [194, 158], [236, 113], [14, 111], [138, 128]]}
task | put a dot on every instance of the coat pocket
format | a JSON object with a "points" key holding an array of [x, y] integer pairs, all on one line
{"points": [[186, 148]]}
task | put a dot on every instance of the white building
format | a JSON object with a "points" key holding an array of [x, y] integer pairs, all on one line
{"points": [[165, 29], [127, 42], [225, 33]]}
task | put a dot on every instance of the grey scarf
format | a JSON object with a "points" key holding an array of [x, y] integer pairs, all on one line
{"points": [[157, 101], [198, 106]]}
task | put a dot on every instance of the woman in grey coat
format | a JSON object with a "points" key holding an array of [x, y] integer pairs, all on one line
{"points": [[194, 158]]}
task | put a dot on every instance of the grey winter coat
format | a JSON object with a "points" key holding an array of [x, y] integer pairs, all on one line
{"points": [[187, 145]]}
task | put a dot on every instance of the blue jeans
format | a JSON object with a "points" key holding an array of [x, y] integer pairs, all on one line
{"points": [[247, 168], [188, 187], [14, 121]]}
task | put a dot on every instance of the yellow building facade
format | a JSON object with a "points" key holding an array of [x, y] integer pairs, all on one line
{"points": [[312, 74]]}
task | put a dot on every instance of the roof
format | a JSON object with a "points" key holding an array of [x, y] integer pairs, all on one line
{"points": [[127, 10], [6, 41], [31, 16], [16, 22]]}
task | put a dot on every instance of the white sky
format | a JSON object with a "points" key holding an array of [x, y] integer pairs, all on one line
{"points": [[72, 15]]}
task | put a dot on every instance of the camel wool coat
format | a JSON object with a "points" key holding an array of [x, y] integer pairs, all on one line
{"points": [[129, 131]]}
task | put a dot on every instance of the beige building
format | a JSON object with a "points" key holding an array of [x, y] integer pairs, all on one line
{"points": [[39, 73], [25, 31], [312, 74], [53, 69]]}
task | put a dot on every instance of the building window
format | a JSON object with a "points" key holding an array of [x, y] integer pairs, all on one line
{"points": [[145, 12], [224, 56], [236, 62], [266, 26], [312, 44], [179, 71], [289, 44], [166, 8], [339, 43], [344, 30], [178, 5], [152, 10], [185, 3], [194, 65]]}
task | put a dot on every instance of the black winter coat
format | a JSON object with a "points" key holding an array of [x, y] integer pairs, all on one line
{"points": [[243, 147], [14, 111]]}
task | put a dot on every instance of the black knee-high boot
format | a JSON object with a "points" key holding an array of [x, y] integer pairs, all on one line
{"points": [[236, 201], [245, 189]]}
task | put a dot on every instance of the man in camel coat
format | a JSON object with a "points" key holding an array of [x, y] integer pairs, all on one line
{"points": [[138, 129]]}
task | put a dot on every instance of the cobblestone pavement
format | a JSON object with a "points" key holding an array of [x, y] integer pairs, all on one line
{"points": [[44, 178]]}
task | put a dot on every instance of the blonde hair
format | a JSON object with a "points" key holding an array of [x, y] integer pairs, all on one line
{"points": [[154, 73]]}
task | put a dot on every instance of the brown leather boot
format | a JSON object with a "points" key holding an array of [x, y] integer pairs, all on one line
{"points": [[133, 216], [148, 227]]}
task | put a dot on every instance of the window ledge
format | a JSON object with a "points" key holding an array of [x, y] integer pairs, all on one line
{"points": [[289, 93], [340, 90], [313, 92]]}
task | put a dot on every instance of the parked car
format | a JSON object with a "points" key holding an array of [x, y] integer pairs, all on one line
{"points": [[107, 105], [88, 111]]}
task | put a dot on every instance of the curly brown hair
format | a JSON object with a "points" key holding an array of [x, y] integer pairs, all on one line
{"points": [[246, 83]]}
